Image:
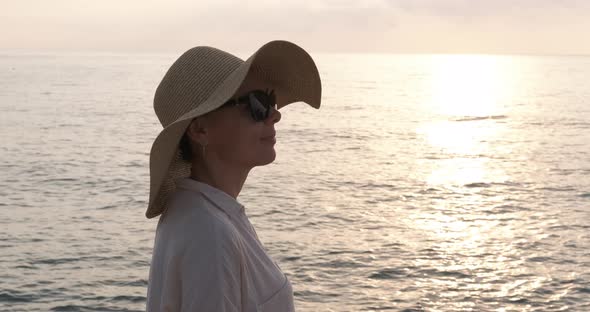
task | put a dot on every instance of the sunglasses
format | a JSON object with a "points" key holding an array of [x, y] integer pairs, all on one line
{"points": [[260, 103]]}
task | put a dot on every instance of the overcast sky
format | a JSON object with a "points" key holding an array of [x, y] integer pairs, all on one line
{"points": [[398, 26]]}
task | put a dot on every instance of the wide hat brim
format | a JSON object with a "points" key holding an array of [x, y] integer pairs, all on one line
{"points": [[286, 67]]}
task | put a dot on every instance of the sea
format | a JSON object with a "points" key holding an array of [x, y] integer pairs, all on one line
{"points": [[423, 183]]}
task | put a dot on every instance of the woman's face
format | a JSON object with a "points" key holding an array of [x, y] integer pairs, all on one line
{"points": [[237, 139]]}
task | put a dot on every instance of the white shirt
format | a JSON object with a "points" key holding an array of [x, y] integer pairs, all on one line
{"points": [[207, 257]]}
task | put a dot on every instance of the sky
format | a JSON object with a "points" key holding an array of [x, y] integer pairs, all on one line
{"points": [[343, 26]]}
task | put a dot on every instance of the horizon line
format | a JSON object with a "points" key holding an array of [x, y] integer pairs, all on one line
{"points": [[55, 52]]}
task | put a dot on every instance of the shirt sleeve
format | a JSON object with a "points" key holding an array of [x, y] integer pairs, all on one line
{"points": [[211, 271]]}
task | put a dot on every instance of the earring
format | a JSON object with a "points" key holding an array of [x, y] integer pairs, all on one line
{"points": [[204, 146]]}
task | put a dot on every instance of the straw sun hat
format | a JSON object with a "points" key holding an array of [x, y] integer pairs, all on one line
{"points": [[201, 80]]}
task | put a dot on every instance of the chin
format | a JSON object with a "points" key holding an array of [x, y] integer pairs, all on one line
{"points": [[267, 157]]}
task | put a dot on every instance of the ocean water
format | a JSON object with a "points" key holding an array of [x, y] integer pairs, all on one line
{"points": [[424, 183]]}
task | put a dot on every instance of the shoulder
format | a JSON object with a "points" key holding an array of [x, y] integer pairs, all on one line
{"points": [[190, 221], [197, 254]]}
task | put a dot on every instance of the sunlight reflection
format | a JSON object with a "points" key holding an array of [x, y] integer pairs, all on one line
{"points": [[470, 85], [457, 138], [468, 100], [465, 249], [469, 94], [459, 172]]}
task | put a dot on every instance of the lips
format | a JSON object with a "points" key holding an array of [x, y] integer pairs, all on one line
{"points": [[269, 138]]}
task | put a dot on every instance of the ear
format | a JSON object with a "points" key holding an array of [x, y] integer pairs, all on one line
{"points": [[197, 131]]}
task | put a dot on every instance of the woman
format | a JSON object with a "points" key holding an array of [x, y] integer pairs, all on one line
{"points": [[218, 114]]}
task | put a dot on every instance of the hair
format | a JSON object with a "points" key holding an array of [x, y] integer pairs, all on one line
{"points": [[186, 151]]}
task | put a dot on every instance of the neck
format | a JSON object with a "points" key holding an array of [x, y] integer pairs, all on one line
{"points": [[229, 179]]}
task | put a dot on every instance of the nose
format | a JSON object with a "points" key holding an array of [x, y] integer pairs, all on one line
{"points": [[274, 117]]}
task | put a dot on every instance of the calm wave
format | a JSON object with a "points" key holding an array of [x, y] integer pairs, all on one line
{"points": [[447, 183]]}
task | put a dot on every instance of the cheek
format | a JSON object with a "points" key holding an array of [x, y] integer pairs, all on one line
{"points": [[248, 143], [239, 143], [250, 151]]}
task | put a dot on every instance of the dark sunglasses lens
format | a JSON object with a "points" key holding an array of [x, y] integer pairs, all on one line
{"points": [[259, 105]]}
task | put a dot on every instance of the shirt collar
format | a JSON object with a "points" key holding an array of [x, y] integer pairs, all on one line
{"points": [[219, 198]]}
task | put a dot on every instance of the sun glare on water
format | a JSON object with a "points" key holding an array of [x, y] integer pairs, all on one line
{"points": [[468, 98], [470, 85], [469, 106]]}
